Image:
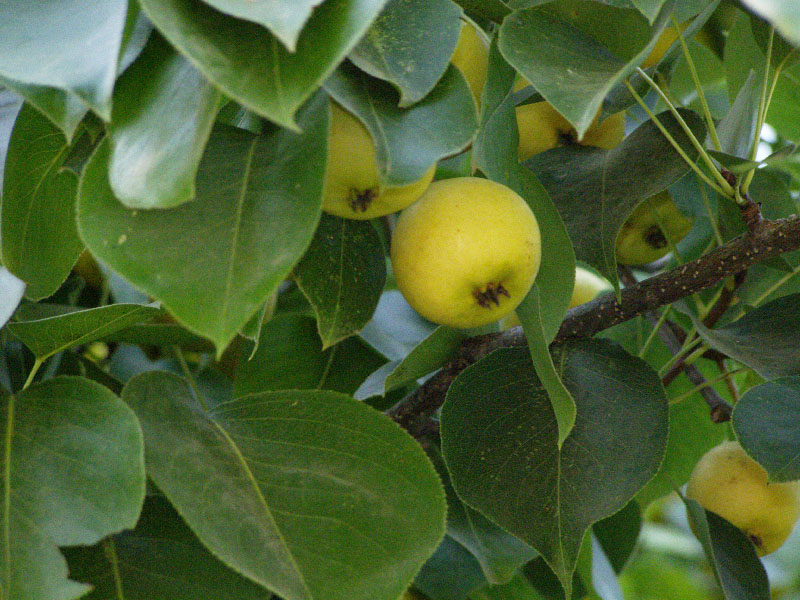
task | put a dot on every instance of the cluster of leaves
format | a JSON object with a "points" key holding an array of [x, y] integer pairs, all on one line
{"points": [[232, 445]]}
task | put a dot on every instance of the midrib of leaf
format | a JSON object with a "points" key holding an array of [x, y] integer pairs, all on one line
{"points": [[276, 81], [7, 496], [251, 478], [87, 335], [48, 169], [567, 583], [226, 296], [323, 378], [339, 289], [381, 131]]}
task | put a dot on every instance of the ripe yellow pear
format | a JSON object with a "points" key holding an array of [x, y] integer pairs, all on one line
{"points": [[471, 56], [466, 253], [542, 127], [353, 188], [726, 481], [643, 237]]}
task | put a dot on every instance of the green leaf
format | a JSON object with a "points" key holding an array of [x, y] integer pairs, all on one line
{"points": [[450, 574], [596, 190], [290, 355], [543, 43], [39, 239], [284, 18], [516, 589], [410, 45], [618, 534], [182, 570], [342, 274], [737, 129], [46, 335], [408, 140], [561, 401], [495, 153], [499, 553], [162, 117], [493, 10], [73, 473], [765, 339], [65, 110], [731, 554], [649, 8], [278, 459], [160, 334], [500, 442], [214, 262], [11, 291], [426, 357], [782, 15], [251, 65], [80, 56], [765, 421]]}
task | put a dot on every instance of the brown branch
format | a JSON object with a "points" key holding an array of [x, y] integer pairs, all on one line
{"points": [[766, 240]]}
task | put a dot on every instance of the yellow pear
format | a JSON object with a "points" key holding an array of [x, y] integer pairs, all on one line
{"points": [[471, 56], [726, 481], [664, 41], [644, 235], [466, 253], [542, 127], [353, 188]]}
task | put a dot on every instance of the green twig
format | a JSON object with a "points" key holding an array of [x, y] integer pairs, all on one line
{"points": [[34, 369], [708, 383], [727, 190], [712, 130], [674, 143]]}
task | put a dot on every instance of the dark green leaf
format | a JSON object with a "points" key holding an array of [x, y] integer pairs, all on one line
{"points": [[596, 190], [330, 499], [161, 559], [162, 117], [160, 334], [500, 441], [73, 472], [765, 420], [47, 335], [251, 65], [765, 339], [284, 18], [429, 355], [214, 262], [409, 45], [408, 141], [450, 574], [39, 239], [649, 8], [732, 555], [495, 153], [290, 356], [494, 10], [80, 56], [516, 589], [581, 39], [618, 534], [561, 401], [499, 553], [11, 292], [342, 274]]}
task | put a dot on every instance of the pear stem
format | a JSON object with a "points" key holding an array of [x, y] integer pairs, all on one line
{"points": [[675, 144], [727, 190], [712, 130]]}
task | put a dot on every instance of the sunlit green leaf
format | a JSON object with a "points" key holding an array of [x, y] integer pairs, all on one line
{"points": [[329, 499]]}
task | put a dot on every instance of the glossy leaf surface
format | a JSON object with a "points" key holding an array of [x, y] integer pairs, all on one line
{"points": [[500, 442], [277, 459], [251, 65], [162, 117], [39, 238], [86, 445], [214, 261]]}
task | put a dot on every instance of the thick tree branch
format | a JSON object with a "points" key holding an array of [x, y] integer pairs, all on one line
{"points": [[765, 240]]}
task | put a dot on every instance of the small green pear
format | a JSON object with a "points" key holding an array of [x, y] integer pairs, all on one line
{"points": [[646, 233]]}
